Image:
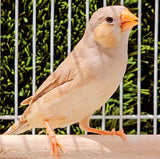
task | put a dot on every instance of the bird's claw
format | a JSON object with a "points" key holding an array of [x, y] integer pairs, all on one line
{"points": [[119, 133], [55, 145]]}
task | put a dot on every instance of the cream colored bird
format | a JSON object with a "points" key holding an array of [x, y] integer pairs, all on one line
{"points": [[85, 80]]}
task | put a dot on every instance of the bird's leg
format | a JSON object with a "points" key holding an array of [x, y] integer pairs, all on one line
{"points": [[53, 140], [84, 124]]}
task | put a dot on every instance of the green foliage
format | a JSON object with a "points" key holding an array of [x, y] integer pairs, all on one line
{"points": [[60, 52]]}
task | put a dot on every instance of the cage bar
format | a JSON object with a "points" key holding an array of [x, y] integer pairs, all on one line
{"points": [[16, 62], [34, 53], [104, 3], [11, 117], [87, 11], [155, 67], [103, 107], [121, 97], [52, 37], [69, 37], [139, 69]]}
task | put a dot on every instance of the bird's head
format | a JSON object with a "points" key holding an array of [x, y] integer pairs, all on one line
{"points": [[108, 25]]}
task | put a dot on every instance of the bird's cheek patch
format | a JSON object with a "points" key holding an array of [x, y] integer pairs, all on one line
{"points": [[104, 35]]}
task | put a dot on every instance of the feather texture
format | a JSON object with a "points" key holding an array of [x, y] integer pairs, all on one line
{"points": [[19, 127]]}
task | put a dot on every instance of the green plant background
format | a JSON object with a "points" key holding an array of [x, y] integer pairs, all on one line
{"points": [[60, 52]]}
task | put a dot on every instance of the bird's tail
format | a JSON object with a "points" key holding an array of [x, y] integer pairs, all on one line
{"points": [[18, 127]]}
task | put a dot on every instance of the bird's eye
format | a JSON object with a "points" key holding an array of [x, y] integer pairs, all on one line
{"points": [[109, 20]]}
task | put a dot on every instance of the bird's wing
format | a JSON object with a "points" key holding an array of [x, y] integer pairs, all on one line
{"points": [[64, 73]]}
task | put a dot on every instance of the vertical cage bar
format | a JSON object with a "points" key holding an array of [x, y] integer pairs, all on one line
{"points": [[16, 62], [139, 69], [87, 20], [104, 3], [52, 37], [69, 25], [155, 67], [34, 53], [121, 97], [0, 50], [87, 11], [121, 105], [34, 49], [122, 2], [103, 117], [69, 38], [103, 107]]}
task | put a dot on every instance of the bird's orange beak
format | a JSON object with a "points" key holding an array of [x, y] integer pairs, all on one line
{"points": [[128, 20]]}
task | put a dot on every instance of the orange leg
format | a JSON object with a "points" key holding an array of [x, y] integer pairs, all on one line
{"points": [[53, 140], [84, 124]]}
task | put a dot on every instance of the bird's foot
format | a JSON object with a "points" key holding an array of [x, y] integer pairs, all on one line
{"points": [[54, 143], [112, 132], [119, 133], [55, 146]]}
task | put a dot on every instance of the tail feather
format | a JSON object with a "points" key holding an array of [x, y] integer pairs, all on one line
{"points": [[19, 127]]}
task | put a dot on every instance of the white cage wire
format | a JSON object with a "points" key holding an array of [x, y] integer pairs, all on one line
{"points": [[103, 117]]}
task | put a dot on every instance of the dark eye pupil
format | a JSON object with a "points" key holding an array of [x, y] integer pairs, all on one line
{"points": [[109, 19]]}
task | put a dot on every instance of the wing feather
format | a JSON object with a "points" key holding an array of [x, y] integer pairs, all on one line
{"points": [[64, 73]]}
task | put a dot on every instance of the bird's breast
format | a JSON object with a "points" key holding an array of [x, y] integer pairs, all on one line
{"points": [[76, 99]]}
